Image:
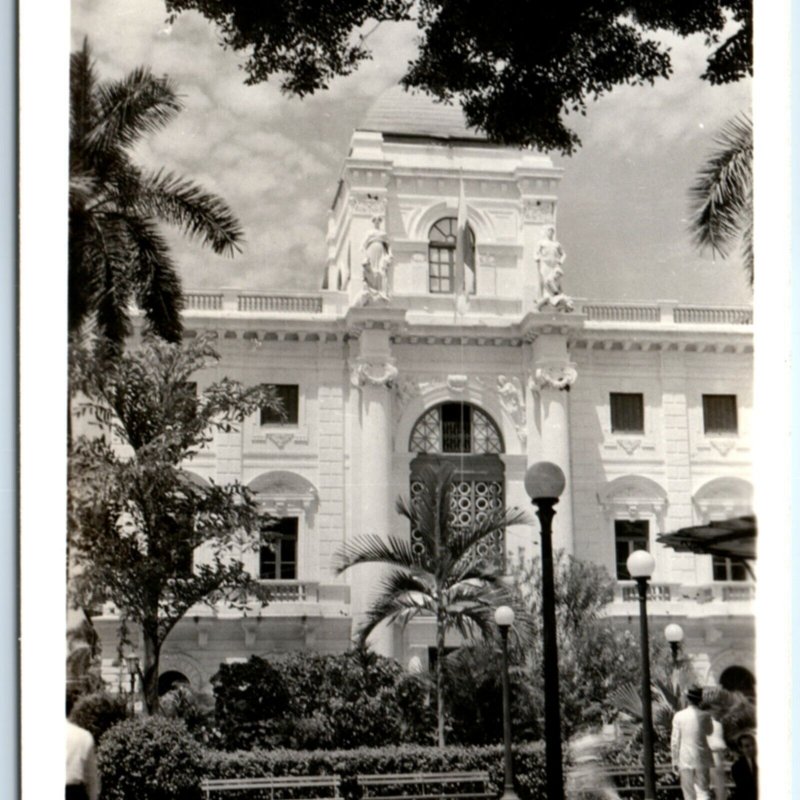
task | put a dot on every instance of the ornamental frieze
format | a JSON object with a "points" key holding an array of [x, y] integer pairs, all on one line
{"points": [[367, 205], [538, 211]]}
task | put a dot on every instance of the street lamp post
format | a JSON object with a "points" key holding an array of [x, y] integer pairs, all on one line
{"points": [[132, 662], [544, 483], [504, 617], [640, 566], [673, 633]]}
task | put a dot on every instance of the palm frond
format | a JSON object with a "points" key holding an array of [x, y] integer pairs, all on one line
{"points": [[628, 700], [462, 541], [400, 608], [131, 107], [198, 213], [82, 102], [158, 286], [373, 549], [722, 195]]}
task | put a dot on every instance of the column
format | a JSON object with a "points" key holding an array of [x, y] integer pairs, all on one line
{"points": [[373, 372], [551, 375]]}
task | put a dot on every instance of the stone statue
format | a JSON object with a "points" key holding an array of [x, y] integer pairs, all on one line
{"points": [[550, 256], [376, 262]]}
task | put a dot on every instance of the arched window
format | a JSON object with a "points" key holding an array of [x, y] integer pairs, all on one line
{"points": [[455, 428], [468, 438], [442, 278]]}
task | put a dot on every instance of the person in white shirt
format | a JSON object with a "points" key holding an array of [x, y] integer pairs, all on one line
{"points": [[691, 754], [82, 781]]}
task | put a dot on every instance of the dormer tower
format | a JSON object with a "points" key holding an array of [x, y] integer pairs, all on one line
{"points": [[410, 162]]}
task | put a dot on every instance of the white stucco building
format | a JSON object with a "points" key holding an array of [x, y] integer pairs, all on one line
{"points": [[646, 407]]}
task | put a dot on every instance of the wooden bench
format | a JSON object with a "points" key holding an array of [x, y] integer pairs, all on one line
{"points": [[427, 786], [629, 782], [287, 787]]}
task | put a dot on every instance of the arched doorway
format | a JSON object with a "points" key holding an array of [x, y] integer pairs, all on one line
{"points": [[469, 439], [167, 681], [738, 679]]}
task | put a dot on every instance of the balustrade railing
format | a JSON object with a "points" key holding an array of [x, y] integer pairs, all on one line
{"points": [[658, 592], [307, 304], [713, 315], [666, 311], [738, 591], [203, 301], [293, 591], [622, 312], [718, 591]]}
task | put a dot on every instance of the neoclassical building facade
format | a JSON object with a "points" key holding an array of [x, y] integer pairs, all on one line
{"points": [[405, 355]]}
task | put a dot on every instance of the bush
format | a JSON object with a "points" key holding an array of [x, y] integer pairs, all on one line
{"points": [[150, 758], [311, 701], [529, 773], [99, 711], [195, 709]]}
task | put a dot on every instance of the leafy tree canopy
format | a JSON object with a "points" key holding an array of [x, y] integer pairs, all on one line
{"points": [[517, 71], [135, 515]]}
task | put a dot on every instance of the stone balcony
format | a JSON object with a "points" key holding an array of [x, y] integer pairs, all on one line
{"points": [[287, 597], [720, 597]]}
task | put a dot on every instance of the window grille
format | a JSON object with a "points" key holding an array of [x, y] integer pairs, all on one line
{"points": [[471, 502], [455, 428]]}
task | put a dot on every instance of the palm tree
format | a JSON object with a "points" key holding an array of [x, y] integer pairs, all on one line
{"points": [[116, 252], [441, 576], [722, 196]]}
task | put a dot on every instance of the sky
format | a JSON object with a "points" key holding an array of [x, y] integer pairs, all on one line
{"points": [[623, 200]]}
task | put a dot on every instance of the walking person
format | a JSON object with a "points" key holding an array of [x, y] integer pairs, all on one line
{"points": [[745, 769], [691, 754], [83, 782], [716, 741]]}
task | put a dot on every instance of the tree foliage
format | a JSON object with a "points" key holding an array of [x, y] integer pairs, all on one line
{"points": [[722, 195], [442, 577], [516, 71], [313, 701], [135, 515], [117, 253], [474, 695], [594, 657]]}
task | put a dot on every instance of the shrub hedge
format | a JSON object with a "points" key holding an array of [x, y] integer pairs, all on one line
{"points": [[99, 711], [528, 762], [150, 758]]}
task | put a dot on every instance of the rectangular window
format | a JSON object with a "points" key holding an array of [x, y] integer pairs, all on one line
{"points": [[278, 560], [629, 536], [440, 270], [727, 570], [627, 412], [289, 395], [719, 413]]}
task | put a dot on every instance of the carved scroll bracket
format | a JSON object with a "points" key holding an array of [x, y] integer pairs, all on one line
{"points": [[373, 372], [552, 376]]}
